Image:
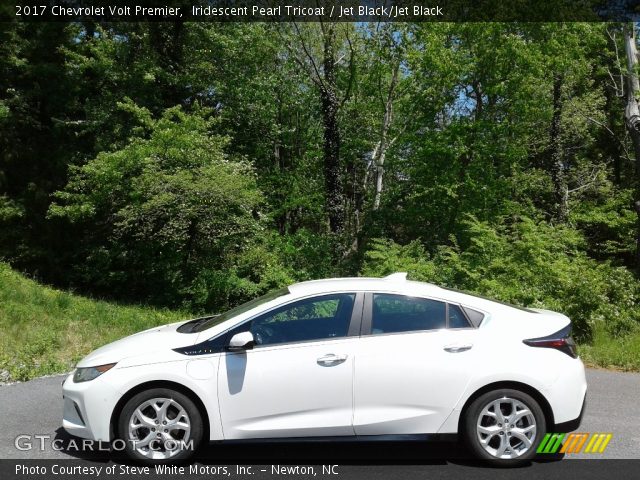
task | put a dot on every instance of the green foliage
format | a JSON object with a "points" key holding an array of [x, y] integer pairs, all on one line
{"points": [[10, 210], [4, 111], [162, 212], [271, 262], [619, 352], [608, 222], [525, 263], [184, 164], [47, 331]]}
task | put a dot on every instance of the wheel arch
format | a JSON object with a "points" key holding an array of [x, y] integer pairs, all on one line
{"points": [[113, 422], [522, 387]]}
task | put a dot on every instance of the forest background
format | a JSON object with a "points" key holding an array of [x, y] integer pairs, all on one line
{"points": [[171, 169]]}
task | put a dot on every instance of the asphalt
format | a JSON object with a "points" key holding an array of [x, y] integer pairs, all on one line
{"points": [[34, 409]]}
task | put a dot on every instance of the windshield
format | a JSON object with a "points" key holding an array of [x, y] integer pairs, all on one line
{"points": [[245, 307]]}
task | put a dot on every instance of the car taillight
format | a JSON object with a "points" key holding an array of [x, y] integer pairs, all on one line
{"points": [[561, 340]]}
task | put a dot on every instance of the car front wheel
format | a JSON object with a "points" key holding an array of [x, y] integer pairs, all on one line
{"points": [[504, 427], [160, 426]]}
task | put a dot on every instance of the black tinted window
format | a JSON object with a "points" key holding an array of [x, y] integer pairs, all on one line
{"points": [[474, 316], [397, 313], [316, 318], [457, 319]]}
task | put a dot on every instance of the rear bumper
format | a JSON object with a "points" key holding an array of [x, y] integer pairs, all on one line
{"points": [[571, 425], [567, 393]]}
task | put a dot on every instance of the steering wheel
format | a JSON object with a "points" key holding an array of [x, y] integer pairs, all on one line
{"points": [[262, 334]]}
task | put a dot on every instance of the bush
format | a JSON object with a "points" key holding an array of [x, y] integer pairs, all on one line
{"points": [[525, 263], [160, 216]]}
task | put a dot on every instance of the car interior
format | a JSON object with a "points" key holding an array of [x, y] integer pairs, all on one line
{"points": [[395, 313], [323, 317]]}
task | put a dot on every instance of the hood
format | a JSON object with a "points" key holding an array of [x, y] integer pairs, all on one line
{"points": [[164, 337]]}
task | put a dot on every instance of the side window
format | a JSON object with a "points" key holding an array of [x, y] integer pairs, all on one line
{"points": [[398, 313], [474, 316], [316, 318], [457, 319]]}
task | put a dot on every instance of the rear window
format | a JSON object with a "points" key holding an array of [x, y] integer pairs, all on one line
{"points": [[524, 309], [398, 313], [474, 316], [457, 318]]}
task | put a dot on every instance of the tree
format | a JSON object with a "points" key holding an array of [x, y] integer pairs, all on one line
{"points": [[632, 116], [160, 213], [38, 140], [387, 47], [321, 55]]}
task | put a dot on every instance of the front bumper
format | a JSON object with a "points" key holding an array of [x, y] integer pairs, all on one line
{"points": [[87, 408]]}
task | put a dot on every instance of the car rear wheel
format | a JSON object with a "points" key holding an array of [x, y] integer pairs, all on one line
{"points": [[160, 426], [504, 427]]}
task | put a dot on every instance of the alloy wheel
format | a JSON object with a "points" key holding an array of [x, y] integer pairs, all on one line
{"points": [[158, 428], [506, 428]]}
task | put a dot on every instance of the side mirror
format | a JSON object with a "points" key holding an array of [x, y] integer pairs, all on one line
{"points": [[240, 342]]}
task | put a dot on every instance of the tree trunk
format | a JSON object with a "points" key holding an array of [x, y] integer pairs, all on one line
{"points": [[557, 168], [330, 107], [380, 152], [632, 119]]}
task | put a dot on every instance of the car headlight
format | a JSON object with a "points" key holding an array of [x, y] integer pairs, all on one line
{"points": [[89, 373]]}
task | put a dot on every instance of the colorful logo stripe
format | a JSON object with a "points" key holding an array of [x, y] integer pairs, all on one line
{"points": [[551, 442], [598, 443], [574, 442]]}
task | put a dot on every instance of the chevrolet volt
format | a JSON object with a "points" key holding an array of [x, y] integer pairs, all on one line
{"points": [[354, 358]]}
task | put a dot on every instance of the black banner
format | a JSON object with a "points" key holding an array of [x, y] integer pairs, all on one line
{"points": [[87, 470], [322, 10]]}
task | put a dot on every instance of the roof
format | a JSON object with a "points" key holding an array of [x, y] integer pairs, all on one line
{"points": [[394, 282]]}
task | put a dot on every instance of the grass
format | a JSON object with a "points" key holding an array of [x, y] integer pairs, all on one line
{"points": [[607, 351], [45, 331]]}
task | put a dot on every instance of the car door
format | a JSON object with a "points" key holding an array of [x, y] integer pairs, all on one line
{"points": [[298, 379], [410, 369]]}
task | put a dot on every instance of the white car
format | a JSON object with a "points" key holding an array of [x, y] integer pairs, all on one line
{"points": [[346, 357]]}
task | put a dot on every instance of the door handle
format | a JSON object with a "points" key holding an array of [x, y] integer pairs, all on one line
{"points": [[331, 359], [457, 348]]}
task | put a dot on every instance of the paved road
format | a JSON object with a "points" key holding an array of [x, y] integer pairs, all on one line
{"points": [[34, 408]]}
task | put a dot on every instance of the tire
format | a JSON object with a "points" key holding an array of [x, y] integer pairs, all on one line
{"points": [[493, 439], [147, 439]]}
